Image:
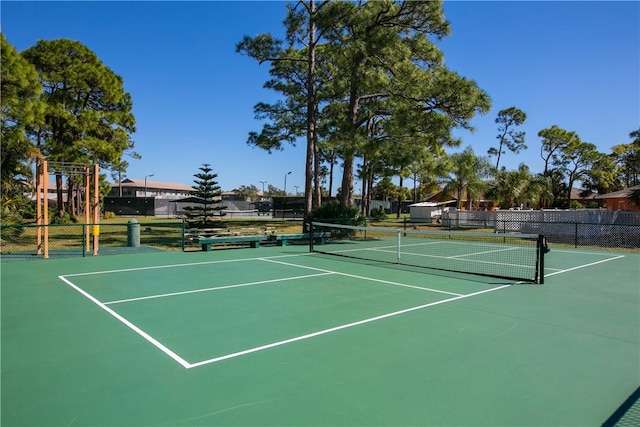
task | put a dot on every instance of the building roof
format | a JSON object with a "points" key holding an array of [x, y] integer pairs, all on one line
{"points": [[575, 194], [619, 194], [139, 183], [431, 204]]}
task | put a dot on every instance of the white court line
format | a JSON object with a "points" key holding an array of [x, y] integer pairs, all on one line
{"points": [[483, 252], [130, 325], [387, 282], [195, 291], [583, 266], [584, 252], [188, 365], [189, 264], [338, 328]]}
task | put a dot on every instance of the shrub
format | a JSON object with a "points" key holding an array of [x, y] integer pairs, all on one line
{"points": [[331, 212], [67, 218], [109, 215], [378, 214]]}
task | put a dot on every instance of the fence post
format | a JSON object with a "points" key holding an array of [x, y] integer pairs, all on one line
{"points": [[84, 236], [575, 241]]}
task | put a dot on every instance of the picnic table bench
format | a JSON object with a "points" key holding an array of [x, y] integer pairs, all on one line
{"points": [[206, 242], [281, 239]]}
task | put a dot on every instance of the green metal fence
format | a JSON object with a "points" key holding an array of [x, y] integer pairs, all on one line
{"points": [[20, 242]]}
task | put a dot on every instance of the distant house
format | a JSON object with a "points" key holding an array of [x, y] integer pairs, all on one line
{"points": [[619, 200], [583, 197]]}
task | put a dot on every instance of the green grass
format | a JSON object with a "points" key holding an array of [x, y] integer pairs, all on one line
{"points": [[160, 233]]}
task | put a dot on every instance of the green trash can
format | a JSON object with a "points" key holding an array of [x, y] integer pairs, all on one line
{"points": [[133, 233]]}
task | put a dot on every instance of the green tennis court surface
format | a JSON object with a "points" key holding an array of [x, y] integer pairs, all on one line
{"points": [[277, 336]]}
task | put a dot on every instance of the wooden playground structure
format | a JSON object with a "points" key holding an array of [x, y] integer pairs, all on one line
{"points": [[90, 176]]}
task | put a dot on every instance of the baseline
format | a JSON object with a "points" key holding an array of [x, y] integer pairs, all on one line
{"points": [[339, 328], [130, 325]]}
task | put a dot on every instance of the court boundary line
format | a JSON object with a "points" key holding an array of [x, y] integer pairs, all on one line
{"points": [[188, 264], [129, 324], [339, 328], [322, 272], [187, 365], [211, 289], [584, 265]]}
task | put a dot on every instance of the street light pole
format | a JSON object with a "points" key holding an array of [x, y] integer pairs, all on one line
{"points": [[263, 183], [285, 193], [296, 187], [145, 193]]}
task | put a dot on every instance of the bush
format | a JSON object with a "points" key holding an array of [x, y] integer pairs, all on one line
{"points": [[378, 214], [109, 215], [574, 204], [67, 218], [332, 212]]}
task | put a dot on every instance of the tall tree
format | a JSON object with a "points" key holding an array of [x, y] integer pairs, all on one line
{"points": [[247, 192], [603, 176], [508, 136], [88, 117], [293, 71], [208, 194], [554, 142], [22, 110], [577, 160], [387, 60], [627, 157]]}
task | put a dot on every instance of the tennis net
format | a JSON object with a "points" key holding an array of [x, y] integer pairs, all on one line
{"points": [[510, 256]]}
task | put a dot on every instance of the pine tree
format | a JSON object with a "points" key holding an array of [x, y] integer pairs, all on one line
{"points": [[208, 194]]}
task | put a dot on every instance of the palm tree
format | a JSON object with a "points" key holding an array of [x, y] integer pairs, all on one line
{"points": [[468, 172], [519, 187]]}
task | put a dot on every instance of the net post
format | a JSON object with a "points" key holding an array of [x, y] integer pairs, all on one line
{"points": [[541, 249], [38, 208], [398, 248], [311, 234]]}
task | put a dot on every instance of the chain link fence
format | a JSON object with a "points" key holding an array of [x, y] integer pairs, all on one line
{"points": [[582, 228], [24, 242]]}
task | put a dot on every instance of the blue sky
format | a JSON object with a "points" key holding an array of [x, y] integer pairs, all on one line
{"points": [[574, 64]]}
